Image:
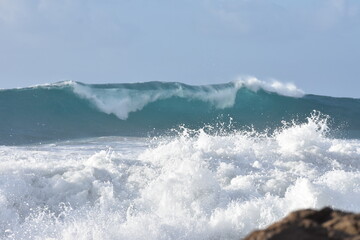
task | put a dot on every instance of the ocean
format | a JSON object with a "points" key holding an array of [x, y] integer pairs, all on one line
{"points": [[160, 160]]}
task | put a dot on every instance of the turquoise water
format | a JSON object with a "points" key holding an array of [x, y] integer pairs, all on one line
{"points": [[226, 159], [70, 110]]}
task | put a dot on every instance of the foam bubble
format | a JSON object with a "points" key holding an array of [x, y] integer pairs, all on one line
{"points": [[191, 186]]}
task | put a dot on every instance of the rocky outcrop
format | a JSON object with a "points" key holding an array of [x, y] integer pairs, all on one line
{"points": [[325, 224]]}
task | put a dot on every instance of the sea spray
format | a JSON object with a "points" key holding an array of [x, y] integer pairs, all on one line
{"points": [[122, 99], [190, 185]]}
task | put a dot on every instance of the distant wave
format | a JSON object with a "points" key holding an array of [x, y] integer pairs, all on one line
{"points": [[122, 99], [67, 110]]}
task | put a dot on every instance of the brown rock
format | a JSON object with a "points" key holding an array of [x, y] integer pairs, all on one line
{"points": [[308, 224]]}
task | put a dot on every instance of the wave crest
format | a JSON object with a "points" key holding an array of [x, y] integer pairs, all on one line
{"points": [[120, 100], [285, 89]]}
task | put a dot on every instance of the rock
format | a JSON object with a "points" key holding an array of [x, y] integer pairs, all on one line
{"points": [[308, 224]]}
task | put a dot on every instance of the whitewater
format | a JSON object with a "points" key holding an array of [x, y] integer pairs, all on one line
{"points": [[169, 160]]}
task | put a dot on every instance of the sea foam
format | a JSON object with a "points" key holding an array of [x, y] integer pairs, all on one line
{"points": [[194, 185], [122, 101]]}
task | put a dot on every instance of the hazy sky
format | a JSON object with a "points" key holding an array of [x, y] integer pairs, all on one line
{"points": [[312, 43]]}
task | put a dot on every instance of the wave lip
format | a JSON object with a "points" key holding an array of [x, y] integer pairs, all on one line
{"points": [[69, 110], [120, 101], [285, 89]]}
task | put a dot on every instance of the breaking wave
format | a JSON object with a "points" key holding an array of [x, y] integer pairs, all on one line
{"points": [[69, 110], [192, 185]]}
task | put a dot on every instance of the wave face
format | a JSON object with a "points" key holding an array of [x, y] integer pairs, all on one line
{"points": [[69, 110], [241, 156]]}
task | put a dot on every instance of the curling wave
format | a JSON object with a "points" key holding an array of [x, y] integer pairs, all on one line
{"points": [[68, 110]]}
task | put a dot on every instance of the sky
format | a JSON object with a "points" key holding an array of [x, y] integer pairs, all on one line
{"points": [[314, 44]]}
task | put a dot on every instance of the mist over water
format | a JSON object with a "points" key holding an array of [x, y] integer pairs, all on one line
{"points": [[223, 159]]}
